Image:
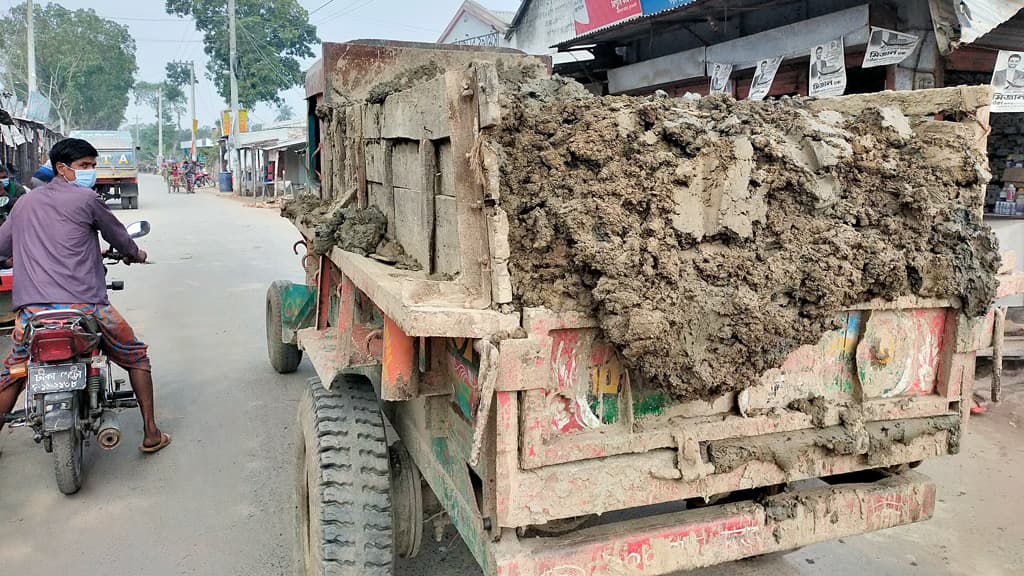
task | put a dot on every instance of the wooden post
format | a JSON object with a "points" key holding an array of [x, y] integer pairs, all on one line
{"points": [[998, 340], [463, 111]]}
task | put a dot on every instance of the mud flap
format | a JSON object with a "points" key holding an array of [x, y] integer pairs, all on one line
{"points": [[59, 412], [298, 310]]}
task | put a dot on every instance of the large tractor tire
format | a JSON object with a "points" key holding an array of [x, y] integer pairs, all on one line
{"points": [[284, 356], [344, 496], [67, 460]]}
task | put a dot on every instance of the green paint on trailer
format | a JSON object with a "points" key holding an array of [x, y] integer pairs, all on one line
{"points": [[650, 404]]}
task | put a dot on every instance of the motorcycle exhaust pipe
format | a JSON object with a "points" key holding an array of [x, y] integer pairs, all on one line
{"points": [[109, 434]]}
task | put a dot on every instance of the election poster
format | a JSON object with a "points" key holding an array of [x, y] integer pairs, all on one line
{"points": [[764, 77], [1008, 82], [828, 69], [589, 15], [888, 47], [720, 74]]}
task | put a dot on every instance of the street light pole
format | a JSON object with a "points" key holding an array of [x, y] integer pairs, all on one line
{"points": [[233, 141], [160, 125], [30, 45], [192, 82]]}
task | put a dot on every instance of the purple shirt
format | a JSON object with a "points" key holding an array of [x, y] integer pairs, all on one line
{"points": [[51, 233]]}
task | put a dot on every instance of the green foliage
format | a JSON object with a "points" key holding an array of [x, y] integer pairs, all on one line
{"points": [[284, 112], [150, 94], [272, 36], [85, 64], [179, 73]]}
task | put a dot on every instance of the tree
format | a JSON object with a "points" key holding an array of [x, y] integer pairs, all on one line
{"points": [[272, 36], [151, 94], [85, 64], [284, 113]]}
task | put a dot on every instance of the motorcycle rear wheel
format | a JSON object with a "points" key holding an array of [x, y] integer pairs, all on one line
{"points": [[67, 460]]}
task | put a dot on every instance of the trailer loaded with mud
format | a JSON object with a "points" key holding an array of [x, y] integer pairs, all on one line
{"points": [[624, 335]]}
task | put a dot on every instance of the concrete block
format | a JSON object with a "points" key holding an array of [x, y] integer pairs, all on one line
{"points": [[406, 168], [446, 167], [419, 113], [378, 196], [446, 237], [375, 165], [414, 223]]}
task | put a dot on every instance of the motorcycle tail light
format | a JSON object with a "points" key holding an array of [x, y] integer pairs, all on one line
{"points": [[53, 347]]}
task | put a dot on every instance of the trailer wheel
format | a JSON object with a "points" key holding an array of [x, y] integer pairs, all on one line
{"points": [[344, 497], [134, 202], [284, 356], [126, 203]]}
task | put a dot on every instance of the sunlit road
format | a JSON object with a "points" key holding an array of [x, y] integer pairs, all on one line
{"points": [[220, 502]]}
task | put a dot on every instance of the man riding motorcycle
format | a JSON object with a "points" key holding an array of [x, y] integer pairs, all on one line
{"points": [[51, 233], [11, 190]]}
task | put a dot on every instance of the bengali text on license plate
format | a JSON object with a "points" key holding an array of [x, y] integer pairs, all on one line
{"points": [[63, 378]]}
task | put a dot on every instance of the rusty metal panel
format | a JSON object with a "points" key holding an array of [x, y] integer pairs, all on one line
{"points": [[699, 538], [399, 379], [629, 481]]}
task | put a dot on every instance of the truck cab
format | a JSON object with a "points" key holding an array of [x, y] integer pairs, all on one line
{"points": [[117, 173]]}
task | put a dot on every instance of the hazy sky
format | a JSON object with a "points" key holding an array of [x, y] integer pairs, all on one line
{"points": [[161, 38]]}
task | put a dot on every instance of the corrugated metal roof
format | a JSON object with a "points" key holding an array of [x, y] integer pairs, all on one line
{"points": [[980, 17]]}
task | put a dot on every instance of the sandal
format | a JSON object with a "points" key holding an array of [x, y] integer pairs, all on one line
{"points": [[165, 441]]}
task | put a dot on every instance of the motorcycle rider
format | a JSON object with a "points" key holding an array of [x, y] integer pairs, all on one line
{"points": [[11, 189], [52, 235]]}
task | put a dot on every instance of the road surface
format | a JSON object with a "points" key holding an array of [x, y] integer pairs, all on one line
{"points": [[219, 501]]}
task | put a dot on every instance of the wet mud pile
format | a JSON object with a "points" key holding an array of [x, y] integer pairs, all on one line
{"points": [[711, 238], [361, 231]]}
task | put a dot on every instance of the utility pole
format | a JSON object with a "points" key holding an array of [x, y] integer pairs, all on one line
{"points": [[195, 121], [160, 125], [137, 141], [30, 45], [233, 141]]}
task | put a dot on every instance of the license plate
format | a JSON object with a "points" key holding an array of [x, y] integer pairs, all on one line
{"points": [[60, 378]]}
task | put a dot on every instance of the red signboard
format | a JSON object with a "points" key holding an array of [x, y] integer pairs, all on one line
{"points": [[593, 14]]}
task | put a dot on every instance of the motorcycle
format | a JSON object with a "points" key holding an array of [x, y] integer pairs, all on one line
{"points": [[203, 180], [71, 392]]}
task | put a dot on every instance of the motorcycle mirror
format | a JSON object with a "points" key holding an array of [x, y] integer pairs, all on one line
{"points": [[138, 229], [4, 201]]}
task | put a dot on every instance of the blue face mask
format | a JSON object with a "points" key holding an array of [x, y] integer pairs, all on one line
{"points": [[85, 178], [5, 182]]}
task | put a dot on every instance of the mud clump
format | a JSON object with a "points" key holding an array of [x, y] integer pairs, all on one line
{"points": [[816, 407], [361, 231], [403, 81], [711, 238]]}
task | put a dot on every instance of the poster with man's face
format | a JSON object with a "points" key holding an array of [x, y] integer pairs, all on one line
{"points": [[828, 70], [888, 47], [1008, 82], [764, 76], [720, 74]]}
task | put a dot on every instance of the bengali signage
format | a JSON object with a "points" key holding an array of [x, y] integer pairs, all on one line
{"points": [[828, 69], [888, 47], [589, 15], [1008, 82], [720, 74], [764, 77]]}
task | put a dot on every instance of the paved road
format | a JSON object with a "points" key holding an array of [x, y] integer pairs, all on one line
{"points": [[219, 500]]}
